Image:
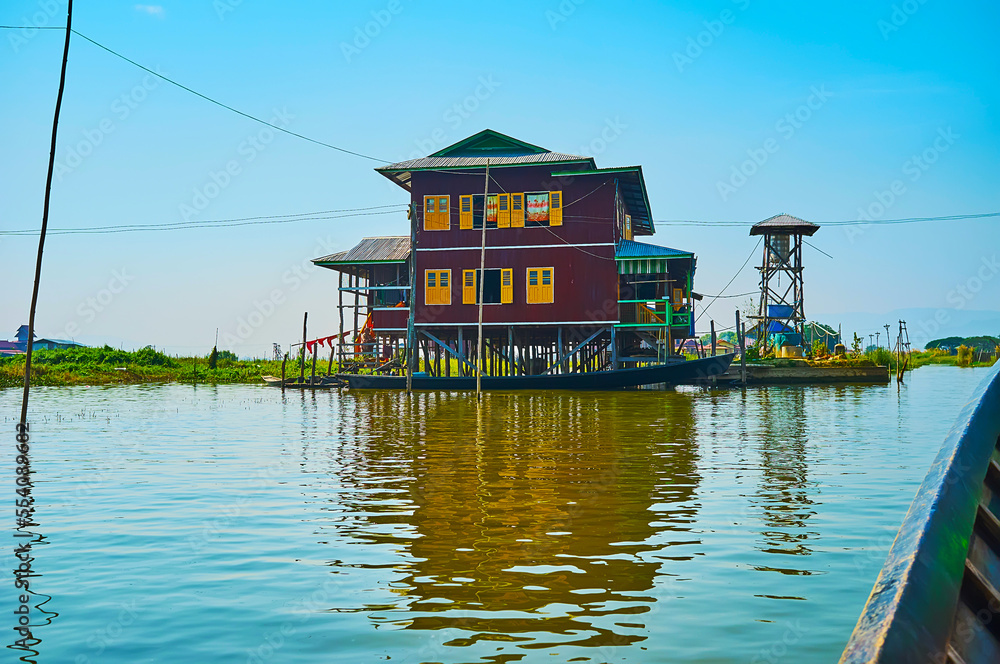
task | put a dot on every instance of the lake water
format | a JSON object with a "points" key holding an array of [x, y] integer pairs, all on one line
{"points": [[237, 524]]}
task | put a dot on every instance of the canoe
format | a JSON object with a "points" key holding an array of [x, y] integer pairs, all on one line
{"points": [[937, 598], [679, 372]]}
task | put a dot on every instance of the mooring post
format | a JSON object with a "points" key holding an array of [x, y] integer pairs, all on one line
{"points": [[283, 361], [312, 378], [713, 337], [329, 367], [302, 360], [741, 338]]}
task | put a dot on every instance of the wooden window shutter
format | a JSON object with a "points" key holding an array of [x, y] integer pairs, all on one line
{"points": [[503, 205], [444, 213], [468, 286], [547, 286], [517, 210], [444, 287], [555, 208], [430, 216], [532, 287], [678, 299], [465, 212], [507, 286], [430, 287]]}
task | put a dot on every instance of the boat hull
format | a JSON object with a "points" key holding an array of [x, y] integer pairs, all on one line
{"points": [[674, 373]]}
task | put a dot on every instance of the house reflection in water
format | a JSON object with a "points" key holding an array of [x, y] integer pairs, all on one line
{"points": [[536, 519]]}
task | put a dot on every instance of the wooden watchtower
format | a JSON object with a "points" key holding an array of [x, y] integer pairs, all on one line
{"points": [[781, 308]]}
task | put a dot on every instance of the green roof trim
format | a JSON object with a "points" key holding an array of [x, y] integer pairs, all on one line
{"points": [[633, 190], [486, 143], [479, 167]]}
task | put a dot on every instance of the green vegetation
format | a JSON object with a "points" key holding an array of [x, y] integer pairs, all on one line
{"points": [[981, 344], [108, 366]]}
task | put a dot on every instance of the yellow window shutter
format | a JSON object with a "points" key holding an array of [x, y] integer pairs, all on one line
{"points": [[465, 212], [547, 286], [429, 214], [532, 287], [517, 210], [444, 287], [468, 286], [503, 205], [555, 208], [444, 213], [430, 290], [507, 286]]}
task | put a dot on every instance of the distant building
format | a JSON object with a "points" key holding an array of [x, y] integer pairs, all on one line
{"points": [[20, 343]]}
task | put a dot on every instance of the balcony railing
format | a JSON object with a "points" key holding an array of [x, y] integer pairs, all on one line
{"points": [[646, 313]]}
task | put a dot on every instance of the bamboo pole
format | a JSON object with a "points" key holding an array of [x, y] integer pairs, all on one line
{"points": [[302, 359], [312, 378], [410, 334], [23, 425], [482, 279]]}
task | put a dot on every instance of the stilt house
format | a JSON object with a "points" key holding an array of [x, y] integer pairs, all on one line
{"points": [[566, 285]]}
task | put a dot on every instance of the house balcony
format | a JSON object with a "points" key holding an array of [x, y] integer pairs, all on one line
{"points": [[651, 314]]}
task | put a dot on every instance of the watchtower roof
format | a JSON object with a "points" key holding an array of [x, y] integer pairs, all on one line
{"points": [[784, 224]]}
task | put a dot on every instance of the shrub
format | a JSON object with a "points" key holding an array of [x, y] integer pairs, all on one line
{"points": [[964, 356]]}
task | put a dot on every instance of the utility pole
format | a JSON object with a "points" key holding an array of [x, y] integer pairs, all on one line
{"points": [[886, 326], [482, 279], [877, 343], [411, 340]]}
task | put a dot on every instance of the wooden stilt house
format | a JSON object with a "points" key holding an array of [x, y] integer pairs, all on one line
{"points": [[566, 285]]}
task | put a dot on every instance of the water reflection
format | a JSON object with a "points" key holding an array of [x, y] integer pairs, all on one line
{"points": [[525, 518], [783, 492]]}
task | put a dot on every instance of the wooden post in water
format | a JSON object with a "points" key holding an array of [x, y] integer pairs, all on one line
{"points": [[283, 361], [741, 338], [329, 367], [302, 360], [340, 310], [713, 337], [312, 378]]}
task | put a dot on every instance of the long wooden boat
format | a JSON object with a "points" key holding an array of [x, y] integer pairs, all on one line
{"points": [[937, 598], [679, 372]]}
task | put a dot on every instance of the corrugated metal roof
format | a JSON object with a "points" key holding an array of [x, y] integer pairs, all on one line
{"points": [[630, 249], [400, 172], [391, 249], [784, 222]]}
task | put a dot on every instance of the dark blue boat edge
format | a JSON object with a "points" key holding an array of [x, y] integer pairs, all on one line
{"points": [[674, 373], [909, 615]]}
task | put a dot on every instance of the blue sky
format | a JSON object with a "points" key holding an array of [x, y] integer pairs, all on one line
{"points": [[881, 108]]}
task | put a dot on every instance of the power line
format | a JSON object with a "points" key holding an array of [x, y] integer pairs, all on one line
{"points": [[33, 27], [855, 222], [226, 106], [191, 225], [759, 240]]}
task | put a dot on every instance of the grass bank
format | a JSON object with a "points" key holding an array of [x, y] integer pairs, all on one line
{"points": [[109, 366]]}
